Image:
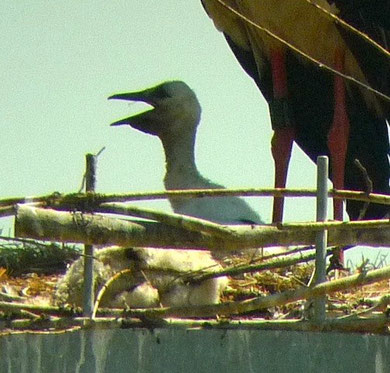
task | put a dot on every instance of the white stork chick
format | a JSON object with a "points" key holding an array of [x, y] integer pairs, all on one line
{"points": [[155, 278], [174, 119]]}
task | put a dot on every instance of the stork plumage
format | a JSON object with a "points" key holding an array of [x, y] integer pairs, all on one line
{"points": [[322, 113], [174, 119], [156, 277]]}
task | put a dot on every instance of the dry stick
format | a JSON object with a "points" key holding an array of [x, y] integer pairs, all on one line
{"points": [[24, 240], [318, 63], [13, 306], [250, 268], [45, 224], [288, 252], [382, 303], [9, 202], [85, 176], [278, 299], [10, 210], [7, 211], [108, 283], [22, 314], [355, 224], [200, 225], [8, 297], [377, 324], [360, 196], [176, 220], [369, 187], [72, 200]]}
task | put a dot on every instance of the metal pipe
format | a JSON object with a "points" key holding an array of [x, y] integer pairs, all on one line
{"points": [[88, 299], [322, 236]]}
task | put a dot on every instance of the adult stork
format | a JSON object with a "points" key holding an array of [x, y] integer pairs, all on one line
{"points": [[322, 112], [174, 118]]}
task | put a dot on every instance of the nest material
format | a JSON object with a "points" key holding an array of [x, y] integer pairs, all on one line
{"points": [[39, 289], [155, 277]]}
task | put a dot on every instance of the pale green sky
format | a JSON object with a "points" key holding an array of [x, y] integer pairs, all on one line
{"points": [[61, 60]]}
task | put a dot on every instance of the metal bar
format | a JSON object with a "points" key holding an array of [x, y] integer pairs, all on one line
{"points": [[88, 299], [322, 236]]}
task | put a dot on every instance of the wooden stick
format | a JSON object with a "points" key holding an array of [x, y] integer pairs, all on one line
{"points": [[377, 324], [172, 219], [249, 268], [51, 225], [273, 300], [73, 200]]}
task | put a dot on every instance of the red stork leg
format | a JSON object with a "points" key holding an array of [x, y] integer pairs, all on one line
{"points": [[338, 139], [284, 134], [281, 146], [338, 135]]}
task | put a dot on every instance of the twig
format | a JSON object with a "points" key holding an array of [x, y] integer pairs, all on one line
{"points": [[72, 200], [379, 223], [381, 304], [51, 310], [8, 297], [369, 187], [100, 151], [250, 268], [295, 250], [45, 224], [83, 180], [273, 300], [24, 240], [108, 283], [7, 211], [56, 325], [175, 220]]}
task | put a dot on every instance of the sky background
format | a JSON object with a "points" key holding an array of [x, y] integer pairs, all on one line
{"points": [[61, 60]]}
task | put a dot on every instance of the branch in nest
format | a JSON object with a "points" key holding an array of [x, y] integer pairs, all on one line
{"points": [[279, 299], [237, 270], [369, 187]]}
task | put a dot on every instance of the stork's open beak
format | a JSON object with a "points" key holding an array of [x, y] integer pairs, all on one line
{"points": [[146, 121], [147, 95]]}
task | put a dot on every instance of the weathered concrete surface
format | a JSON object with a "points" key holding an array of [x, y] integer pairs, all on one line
{"points": [[192, 351]]}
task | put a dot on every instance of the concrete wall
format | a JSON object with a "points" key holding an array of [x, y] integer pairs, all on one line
{"points": [[191, 351]]}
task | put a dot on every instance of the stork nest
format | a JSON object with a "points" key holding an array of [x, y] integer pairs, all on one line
{"points": [[38, 287]]}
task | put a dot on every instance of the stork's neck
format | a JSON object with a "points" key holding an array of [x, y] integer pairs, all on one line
{"points": [[180, 160]]}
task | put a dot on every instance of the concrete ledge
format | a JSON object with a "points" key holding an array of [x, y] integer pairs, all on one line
{"points": [[173, 350]]}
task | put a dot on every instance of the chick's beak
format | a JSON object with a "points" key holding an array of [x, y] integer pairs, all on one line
{"points": [[145, 121], [143, 96]]}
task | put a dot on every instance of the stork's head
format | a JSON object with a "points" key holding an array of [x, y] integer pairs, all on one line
{"points": [[175, 108]]}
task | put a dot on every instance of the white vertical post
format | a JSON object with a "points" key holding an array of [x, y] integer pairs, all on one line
{"points": [[88, 299], [322, 236]]}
